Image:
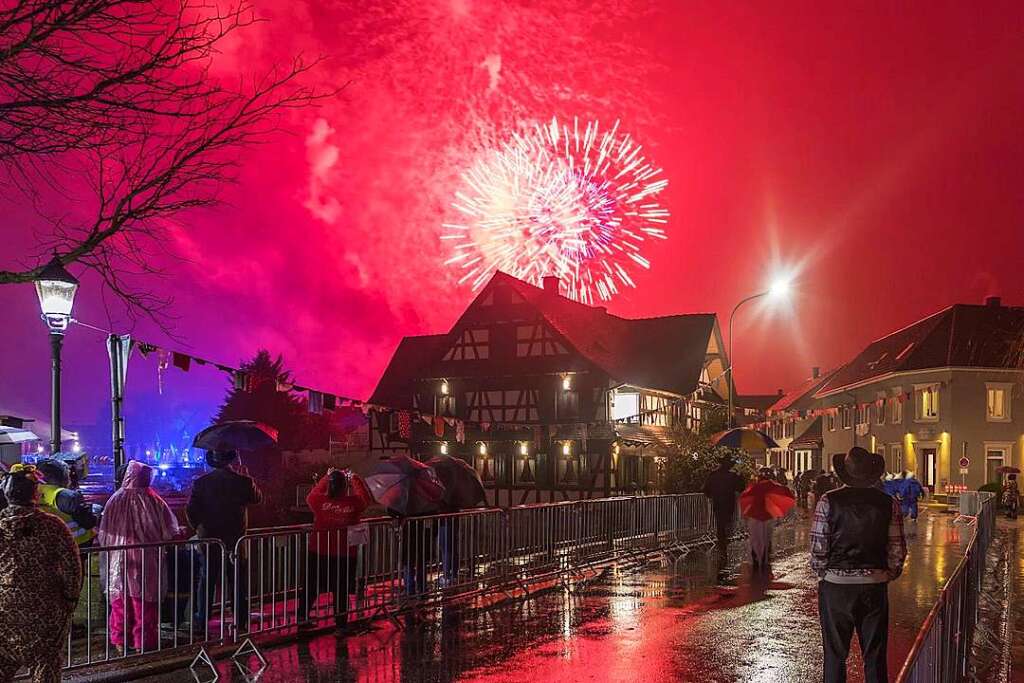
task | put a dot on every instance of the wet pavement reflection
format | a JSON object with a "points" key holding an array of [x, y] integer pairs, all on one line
{"points": [[679, 619]]}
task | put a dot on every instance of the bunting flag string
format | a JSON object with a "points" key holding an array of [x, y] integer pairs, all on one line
{"points": [[319, 401]]}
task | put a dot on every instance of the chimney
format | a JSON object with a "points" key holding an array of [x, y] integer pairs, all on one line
{"points": [[815, 372], [993, 301], [551, 284]]}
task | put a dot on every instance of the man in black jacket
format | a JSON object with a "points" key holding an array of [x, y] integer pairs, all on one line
{"points": [[722, 487], [217, 509], [857, 548]]}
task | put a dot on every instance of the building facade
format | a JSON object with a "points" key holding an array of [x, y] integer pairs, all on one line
{"points": [[548, 398], [942, 391]]}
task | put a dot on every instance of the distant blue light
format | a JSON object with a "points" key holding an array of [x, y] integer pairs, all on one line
{"points": [[164, 467]]}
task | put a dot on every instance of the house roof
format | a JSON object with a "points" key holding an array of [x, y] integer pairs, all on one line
{"points": [[412, 354], [756, 401], [963, 335], [810, 437], [801, 395], [664, 353]]}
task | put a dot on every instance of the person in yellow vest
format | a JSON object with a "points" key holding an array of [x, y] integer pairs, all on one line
{"points": [[58, 498]]}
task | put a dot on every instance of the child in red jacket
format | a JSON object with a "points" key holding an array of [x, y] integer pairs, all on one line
{"points": [[337, 502]]}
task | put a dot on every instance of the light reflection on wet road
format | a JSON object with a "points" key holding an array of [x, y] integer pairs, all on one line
{"points": [[677, 621]]}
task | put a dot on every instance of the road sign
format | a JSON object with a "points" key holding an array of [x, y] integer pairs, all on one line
{"points": [[965, 462], [963, 470]]}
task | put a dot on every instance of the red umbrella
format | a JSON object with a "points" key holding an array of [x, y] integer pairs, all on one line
{"points": [[765, 499]]}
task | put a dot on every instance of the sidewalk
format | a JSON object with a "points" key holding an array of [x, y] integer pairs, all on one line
{"points": [[663, 623]]}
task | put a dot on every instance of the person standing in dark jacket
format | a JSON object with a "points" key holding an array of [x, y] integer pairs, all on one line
{"points": [[218, 509], [857, 548], [722, 487]]}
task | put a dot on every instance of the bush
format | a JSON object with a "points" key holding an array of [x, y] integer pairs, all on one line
{"points": [[692, 457]]}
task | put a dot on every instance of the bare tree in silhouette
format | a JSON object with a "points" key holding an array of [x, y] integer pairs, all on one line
{"points": [[113, 104]]}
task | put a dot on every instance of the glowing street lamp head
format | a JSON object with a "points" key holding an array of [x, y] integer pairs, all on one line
{"points": [[56, 289], [779, 289]]}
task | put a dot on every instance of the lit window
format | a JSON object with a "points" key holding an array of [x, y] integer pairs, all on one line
{"points": [[625, 404], [998, 402], [846, 416], [444, 448], [927, 402], [524, 448]]}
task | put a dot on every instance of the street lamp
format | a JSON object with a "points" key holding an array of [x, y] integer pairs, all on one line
{"points": [[56, 288], [778, 290]]}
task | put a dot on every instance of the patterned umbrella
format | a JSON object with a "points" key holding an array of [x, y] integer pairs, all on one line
{"points": [[744, 439], [236, 435], [406, 487], [462, 485]]}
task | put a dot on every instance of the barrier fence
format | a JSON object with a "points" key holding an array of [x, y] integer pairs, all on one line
{"points": [[154, 598], [941, 652]]}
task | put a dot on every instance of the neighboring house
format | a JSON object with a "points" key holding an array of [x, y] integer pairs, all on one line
{"points": [[944, 388], [553, 398], [792, 424]]}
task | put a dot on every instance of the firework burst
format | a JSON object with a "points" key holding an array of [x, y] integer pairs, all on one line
{"points": [[559, 200]]}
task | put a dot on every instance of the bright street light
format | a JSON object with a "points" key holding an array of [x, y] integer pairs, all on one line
{"points": [[778, 291], [56, 289]]}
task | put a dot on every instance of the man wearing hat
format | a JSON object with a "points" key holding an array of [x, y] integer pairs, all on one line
{"points": [[857, 548]]}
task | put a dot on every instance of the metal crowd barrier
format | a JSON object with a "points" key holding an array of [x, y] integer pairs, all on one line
{"points": [[160, 597], [942, 649], [298, 577], [153, 597]]}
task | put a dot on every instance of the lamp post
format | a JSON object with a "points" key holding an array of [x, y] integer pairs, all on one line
{"points": [[778, 290], [56, 288]]}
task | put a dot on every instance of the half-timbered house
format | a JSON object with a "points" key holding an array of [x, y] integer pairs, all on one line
{"points": [[555, 399]]}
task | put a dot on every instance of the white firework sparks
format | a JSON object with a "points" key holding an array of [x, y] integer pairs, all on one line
{"points": [[559, 200]]}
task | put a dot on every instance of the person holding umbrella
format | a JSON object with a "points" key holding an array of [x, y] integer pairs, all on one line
{"points": [[761, 504], [218, 509], [462, 489], [409, 490], [721, 487]]}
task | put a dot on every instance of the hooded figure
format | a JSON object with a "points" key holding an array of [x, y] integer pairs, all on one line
{"points": [[909, 490], [135, 514], [40, 579]]}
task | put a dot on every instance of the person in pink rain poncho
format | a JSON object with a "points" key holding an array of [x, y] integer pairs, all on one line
{"points": [[135, 514]]}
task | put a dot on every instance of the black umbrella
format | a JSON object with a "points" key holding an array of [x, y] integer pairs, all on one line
{"points": [[405, 486], [462, 485], [236, 435]]}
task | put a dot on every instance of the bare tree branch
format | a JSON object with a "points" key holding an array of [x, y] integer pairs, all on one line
{"points": [[121, 90]]}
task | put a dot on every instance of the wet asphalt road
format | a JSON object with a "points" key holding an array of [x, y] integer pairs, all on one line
{"points": [[671, 621]]}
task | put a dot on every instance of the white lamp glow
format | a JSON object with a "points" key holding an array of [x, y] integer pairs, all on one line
{"points": [[56, 289]]}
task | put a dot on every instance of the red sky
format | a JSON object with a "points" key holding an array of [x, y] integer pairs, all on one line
{"points": [[875, 150]]}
